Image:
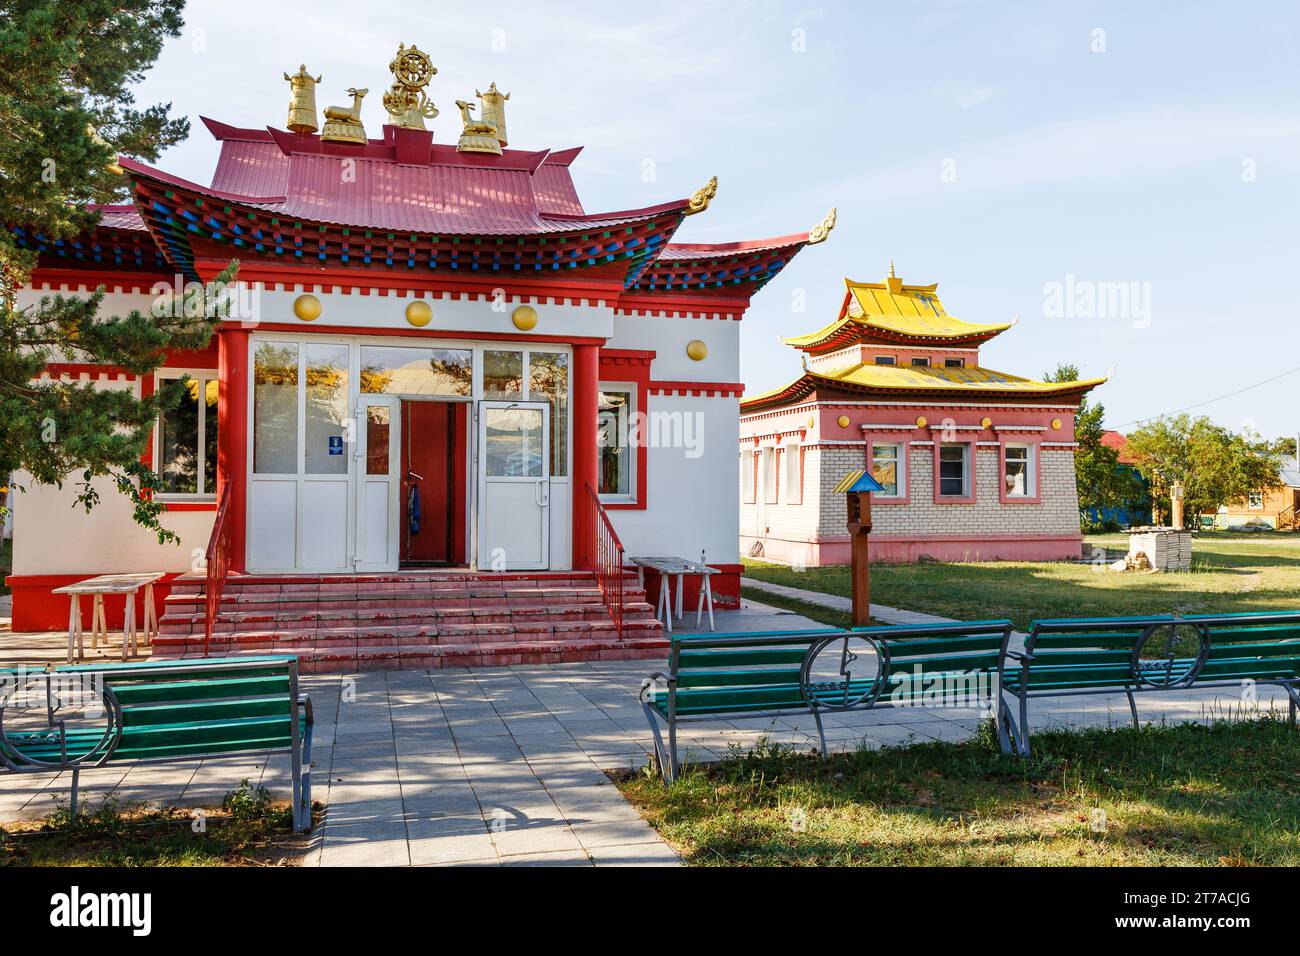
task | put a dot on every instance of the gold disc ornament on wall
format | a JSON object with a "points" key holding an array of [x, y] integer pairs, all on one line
{"points": [[697, 350], [307, 307], [419, 313], [524, 318]]}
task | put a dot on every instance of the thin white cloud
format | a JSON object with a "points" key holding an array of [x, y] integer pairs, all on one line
{"points": [[1110, 148]]}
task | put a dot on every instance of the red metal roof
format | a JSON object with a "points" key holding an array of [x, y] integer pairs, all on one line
{"points": [[730, 250], [119, 217], [301, 200], [1119, 442]]}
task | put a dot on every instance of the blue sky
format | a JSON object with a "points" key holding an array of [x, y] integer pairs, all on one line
{"points": [[1006, 151]]}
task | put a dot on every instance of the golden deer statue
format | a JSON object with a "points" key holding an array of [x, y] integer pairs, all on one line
{"points": [[342, 123], [487, 134]]}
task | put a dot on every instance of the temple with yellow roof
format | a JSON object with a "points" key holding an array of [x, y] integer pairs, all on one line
{"points": [[977, 464]]}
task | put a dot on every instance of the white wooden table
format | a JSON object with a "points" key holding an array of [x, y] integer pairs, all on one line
{"points": [[127, 585], [678, 568]]}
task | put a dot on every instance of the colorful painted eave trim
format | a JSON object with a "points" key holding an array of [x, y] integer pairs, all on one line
{"points": [[118, 241], [180, 215], [810, 382], [719, 267], [859, 330]]}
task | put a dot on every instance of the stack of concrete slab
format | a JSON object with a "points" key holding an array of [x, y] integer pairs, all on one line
{"points": [[1166, 549]]}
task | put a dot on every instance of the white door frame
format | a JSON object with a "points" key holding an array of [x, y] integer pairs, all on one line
{"points": [[542, 484], [394, 404]]}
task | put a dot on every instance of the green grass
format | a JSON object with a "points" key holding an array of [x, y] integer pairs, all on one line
{"points": [[1230, 572], [1228, 793], [247, 830]]}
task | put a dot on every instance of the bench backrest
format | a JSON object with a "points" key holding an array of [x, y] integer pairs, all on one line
{"points": [[734, 673], [1162, 650], [172, 709]]}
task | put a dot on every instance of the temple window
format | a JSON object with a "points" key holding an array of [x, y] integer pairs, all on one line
{"points": [[885, 461], [769, 475], [922, 362], [614, 440], [954, 363], [885, 360], [414, 370], [1020, 475], [548, 381], [187, 438], [793, 475], [275, 408], [327, 408], [954, 470], [747, 475]]}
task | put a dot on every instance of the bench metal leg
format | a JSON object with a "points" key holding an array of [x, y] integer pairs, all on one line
{"points": [[821, 732], [661, 755], [1008, 732], [1023, 726], [76, 792], [672, 749], [1133, 708]]}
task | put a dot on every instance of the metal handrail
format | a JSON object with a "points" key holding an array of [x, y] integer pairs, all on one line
{"points": [[217, 561], [605, 554]]}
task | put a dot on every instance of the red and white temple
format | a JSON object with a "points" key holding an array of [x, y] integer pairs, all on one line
{"points": [[435, 351]]}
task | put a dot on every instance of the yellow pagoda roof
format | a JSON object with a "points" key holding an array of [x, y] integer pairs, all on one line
{"points": [[907, 378], [892, 307]]}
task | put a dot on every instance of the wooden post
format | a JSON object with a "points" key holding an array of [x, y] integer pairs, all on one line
{"points": [[859, 525]]}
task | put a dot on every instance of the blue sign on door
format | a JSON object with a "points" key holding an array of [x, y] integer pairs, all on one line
{"points": [[336, 444]]}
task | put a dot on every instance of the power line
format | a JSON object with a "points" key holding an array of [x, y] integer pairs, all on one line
{"points": [[1211, 401]]}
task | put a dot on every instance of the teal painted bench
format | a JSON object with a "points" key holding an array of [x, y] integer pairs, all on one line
{"points": [[155, 712], [725, 676], [1081, 656]]}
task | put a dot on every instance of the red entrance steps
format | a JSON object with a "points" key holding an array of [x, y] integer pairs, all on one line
{"points": [[341, 622]]}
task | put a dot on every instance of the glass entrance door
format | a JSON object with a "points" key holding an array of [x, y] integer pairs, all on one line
{"points": [[514, 486], [378, 465]]}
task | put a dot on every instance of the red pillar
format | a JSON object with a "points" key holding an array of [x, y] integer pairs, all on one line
{"points": [[586, 391], [232, 437]]}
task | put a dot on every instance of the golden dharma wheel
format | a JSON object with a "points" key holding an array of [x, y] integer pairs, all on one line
{"points": [[524, 318], [921, 422], [843, 421], [307, 307], [419, 313], [986, 423], [697, 350], [1056, 424]]}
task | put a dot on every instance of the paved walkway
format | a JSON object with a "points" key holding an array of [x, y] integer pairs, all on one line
{"points": [[505, 765], [882, 613]]}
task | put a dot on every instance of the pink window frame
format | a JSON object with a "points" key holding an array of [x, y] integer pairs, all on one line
{"points": [[904, 462], [970, 497], [751, 489], [798, 451], [1036, 466]]}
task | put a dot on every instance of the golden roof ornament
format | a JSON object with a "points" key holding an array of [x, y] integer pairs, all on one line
{"points": [[407, 104], [302, 100], [112, 165], [343, 123], [892, 282], [822, 231], [701, 198], [494, 110], [488, 134]]}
